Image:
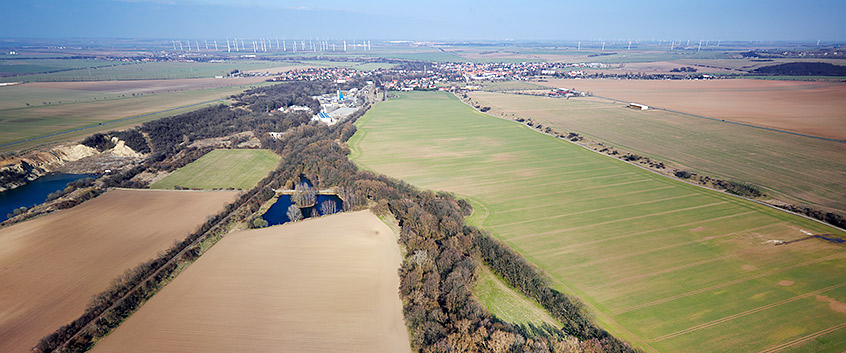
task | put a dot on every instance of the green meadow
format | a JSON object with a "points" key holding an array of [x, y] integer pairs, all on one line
{"points": [[148, 71], [221, 169], [668, 266]]}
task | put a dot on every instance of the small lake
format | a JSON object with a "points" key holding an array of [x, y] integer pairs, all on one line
{"points": [[278, 213], [35, 192]]}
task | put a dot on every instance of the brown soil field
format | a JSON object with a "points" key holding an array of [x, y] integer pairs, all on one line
{"points": [[814, 108], [51, 267], [139, 86], [321, 285]]}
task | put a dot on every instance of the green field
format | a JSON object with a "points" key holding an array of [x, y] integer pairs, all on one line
{"points": [[221, 169], [30, 66], [149, 71], [38, 120], [507, 304], [669, 266], [805, 170]]}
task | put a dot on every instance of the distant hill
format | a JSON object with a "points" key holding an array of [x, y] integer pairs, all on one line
{"points": [[802, 69]]}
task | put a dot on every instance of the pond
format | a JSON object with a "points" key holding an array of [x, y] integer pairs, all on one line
{"points": [[35, 192], [278, 213]]}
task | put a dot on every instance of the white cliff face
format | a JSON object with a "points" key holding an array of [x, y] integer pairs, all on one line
{"points": [[122, 150], [17, 171]]}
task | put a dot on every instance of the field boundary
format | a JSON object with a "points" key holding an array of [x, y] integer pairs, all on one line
{"points": [[726, 284], [729, 121], [745, 313], [565, 249], [664, 175], [219, 226]]}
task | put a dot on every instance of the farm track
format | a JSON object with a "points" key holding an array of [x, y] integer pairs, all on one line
{"points": [[804, 339], [142, 281], [726, 284], [565, 249], [618, 220], [747, 312], [661, 248]]}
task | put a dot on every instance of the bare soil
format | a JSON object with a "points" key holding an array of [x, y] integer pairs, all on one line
{"points": [[321, 285], [814, 108], [51, 267]]}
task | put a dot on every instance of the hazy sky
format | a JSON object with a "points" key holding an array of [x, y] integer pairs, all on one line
{"points": [[429, 19]]}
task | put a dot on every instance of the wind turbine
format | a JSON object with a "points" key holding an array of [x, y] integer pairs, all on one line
{"points": [[198, 44], [215, 44], [345, 46], [207, 44], [228, 48], [174, 44]]}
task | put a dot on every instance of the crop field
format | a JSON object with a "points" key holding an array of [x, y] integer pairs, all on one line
{"points": [[321, 285], [52, 266], [30, 66], [814, 108], [669, 266], [80, 109], [221, 169], [512, 86], [507, 304], [804, 170], [147, 71]]}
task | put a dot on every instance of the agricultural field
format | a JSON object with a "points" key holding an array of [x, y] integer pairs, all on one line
{"points": [[666, 265], [221, 169], [31, 66], [52, 266], [512, 86], [508, 304], [799, 169], [57, 107], [321, 285], [813, 108], [147, 71]]}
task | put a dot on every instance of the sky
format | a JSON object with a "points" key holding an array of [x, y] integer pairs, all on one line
{"points": [[808, 20]]}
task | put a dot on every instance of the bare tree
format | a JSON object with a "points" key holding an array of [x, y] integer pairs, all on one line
{"points": [[328, 207], [294, 213], [304, 196]]}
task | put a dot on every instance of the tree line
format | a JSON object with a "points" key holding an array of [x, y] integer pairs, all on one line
{"points": [[439, 269]]}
